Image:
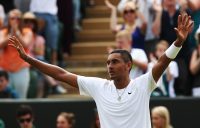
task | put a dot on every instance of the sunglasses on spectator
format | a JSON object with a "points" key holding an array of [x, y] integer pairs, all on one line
{"points": [[28, 21], [28, 120], [14, 18], [129, 11]]}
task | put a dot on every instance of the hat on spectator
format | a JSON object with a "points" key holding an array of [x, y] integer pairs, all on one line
{"points": [[29, 15]]}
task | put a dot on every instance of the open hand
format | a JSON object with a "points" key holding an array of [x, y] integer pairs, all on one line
{"points": [[185, 25], [13, 41]]}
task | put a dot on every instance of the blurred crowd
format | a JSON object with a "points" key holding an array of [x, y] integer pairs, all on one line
{"points": [[147, 31], [26, 118], [47, 27]]}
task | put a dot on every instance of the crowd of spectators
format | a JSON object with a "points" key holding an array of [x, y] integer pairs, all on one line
{"points": [[147, 31], [151, 26]]}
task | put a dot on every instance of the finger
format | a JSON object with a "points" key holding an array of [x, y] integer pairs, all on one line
{"points": [[184, 19], [187, 20], [176, 30], [12, 45], [179, 20], [190, 25]]}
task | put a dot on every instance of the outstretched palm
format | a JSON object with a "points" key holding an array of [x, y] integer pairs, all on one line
{"points": [[185, 25], [13, 41]]}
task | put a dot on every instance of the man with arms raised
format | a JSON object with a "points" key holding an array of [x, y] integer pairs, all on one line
{"points": [[121, 101]]}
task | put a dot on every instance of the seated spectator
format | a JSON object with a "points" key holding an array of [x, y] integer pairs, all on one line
{"points": [[9, 59], [96, 122], [195, 66], [130, 16], [5, 90], [140, 61], [25, 116], [166, 81], [160, 117], [37, 50], [65, 120]]}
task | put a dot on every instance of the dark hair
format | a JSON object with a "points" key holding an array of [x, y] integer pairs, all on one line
{"points": [[34, 22], [126, 56], [69, 117], [4, 74], [24, 110]]}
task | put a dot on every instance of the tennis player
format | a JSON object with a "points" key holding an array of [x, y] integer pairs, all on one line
{"points": [[121, 102]]}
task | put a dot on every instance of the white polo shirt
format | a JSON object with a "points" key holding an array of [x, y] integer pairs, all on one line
{"points": [[132, 111]]}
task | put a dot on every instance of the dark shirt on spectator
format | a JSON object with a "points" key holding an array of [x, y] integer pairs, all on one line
{"points": [[8, 93]]}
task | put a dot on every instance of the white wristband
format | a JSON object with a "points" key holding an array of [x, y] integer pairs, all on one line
{"points": [[172, 51]]}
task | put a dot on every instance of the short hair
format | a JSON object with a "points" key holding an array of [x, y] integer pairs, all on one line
{"points": [[124, 33], [24, 110], [126, 56], [69, 117], [163, 43], [4, 74]]}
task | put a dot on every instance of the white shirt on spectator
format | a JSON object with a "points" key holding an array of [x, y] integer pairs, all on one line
{"points": [[44, 6], [133, 109], [138, 55], [173, 70]]}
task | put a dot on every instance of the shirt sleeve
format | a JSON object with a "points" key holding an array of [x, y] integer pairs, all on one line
{"points": [[89, 86], [147, 82]]}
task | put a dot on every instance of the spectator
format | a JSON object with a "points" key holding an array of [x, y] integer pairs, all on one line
{"points": [[47, 11], [77, 14], [166, 82], [160, 117], [168, 20], [37, 50], [9, 59], [22, 5], [5, 90], [194, 5], [149, 9], [96, 122], [65, 120], [130, 15], [25, 117], [2, 16], [195, 66], [140, 61]]}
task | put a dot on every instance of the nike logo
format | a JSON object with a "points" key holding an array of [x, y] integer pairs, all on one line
{"points": [[129, 93]]}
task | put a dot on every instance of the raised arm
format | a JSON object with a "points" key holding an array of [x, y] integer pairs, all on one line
{"points": [[184, 27], [51, 70], [113, 18]]}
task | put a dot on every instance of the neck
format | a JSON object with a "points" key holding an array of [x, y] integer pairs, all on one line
{"points": [[122, 83], [171, 10]]}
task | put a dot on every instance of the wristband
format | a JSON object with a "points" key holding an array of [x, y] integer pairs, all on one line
{"points": [[172, 51]]}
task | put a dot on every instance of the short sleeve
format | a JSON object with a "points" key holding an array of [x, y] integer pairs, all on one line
{"points": [[147, 82], [89, 86]]}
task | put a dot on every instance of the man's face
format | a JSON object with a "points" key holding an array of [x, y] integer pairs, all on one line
{"points": [[123, 43], [170, 3], [116, 66], [26, 121], [3, 83]]}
